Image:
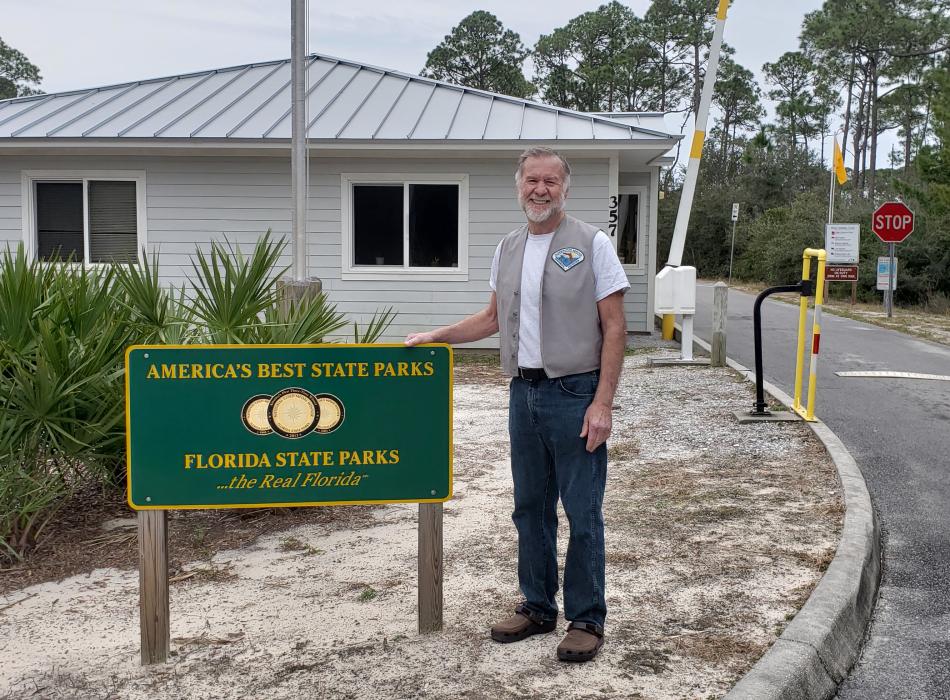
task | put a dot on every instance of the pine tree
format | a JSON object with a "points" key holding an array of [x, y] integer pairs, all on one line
{"points": [[482, 54], [17, 74]]}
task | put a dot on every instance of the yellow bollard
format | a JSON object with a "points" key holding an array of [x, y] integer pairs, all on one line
{"points": [[668, 326], [808, 412]]}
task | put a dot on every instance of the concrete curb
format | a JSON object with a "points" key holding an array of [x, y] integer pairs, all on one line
{"points": [[820, 645]]}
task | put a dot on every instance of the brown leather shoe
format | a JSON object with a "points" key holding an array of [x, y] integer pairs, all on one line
{"points": [[521, 625], [582, 642]]}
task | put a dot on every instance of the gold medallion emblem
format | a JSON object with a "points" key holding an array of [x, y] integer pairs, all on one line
{"points": [[331, 413], [254, 415], [292, 412]]}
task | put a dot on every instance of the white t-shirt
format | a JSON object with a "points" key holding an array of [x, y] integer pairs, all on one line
{"points": [[609, 277]]}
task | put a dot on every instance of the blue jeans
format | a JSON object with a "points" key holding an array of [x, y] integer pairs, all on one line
{"points": [[549, 461]]}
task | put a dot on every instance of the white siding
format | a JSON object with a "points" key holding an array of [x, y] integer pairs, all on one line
{"points": [[11, 219], [192, 200]]}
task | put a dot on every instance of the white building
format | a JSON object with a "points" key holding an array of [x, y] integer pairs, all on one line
{"points": [[171, 163]]}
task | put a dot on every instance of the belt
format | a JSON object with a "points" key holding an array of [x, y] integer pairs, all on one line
{"points": [[532, 374]]}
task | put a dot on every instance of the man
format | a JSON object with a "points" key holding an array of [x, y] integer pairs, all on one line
{"points": [[557, 300]]}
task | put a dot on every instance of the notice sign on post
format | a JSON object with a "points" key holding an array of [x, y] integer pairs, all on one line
{"points": [[884, 271], [242, 425], [842, 242], [841, 273]]}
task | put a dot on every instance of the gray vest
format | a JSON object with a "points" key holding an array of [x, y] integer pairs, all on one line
{"points": [[570, 325]]}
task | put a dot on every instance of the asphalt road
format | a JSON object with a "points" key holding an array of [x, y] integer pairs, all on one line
{"points": [[898, 430]]}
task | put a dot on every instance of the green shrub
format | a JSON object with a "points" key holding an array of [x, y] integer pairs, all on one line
{"points": [[63, 333], [30, 496]]}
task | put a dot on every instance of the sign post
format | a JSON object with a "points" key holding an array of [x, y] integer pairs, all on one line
{"points": [[892, 222], [842, 243], [242, 426], [887, 274], [732, 249]]}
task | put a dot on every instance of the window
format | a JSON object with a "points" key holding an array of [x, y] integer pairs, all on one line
{"points": [[87, 219], [405, 226], [630, 214], [628, 225]]}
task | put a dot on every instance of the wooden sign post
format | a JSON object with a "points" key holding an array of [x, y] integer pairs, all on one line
{"points": [[430, 567], [153, 586]]}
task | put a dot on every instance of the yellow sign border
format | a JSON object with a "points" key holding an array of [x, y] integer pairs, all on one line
{"points": [[294, 504]]}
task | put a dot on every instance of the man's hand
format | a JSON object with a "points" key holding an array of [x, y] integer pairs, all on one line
{"points": [[597, 424], [419, 338], [477, 326]]}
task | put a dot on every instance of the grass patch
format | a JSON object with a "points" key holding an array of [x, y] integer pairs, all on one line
{"points": [[644, 350], [367, 594], [623, 450], [622, 557], [717, 647], [293, 544], [647, 662], [477, 358]]}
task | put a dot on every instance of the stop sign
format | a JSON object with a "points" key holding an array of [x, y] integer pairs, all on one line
{"points": [[892, 222]]}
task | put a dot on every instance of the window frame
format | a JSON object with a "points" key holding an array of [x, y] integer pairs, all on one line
{"points": [[641, 191], [29, 180], [351, 271]]}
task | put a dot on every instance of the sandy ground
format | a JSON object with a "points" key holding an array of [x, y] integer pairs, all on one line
{"points": [[716, 535]]}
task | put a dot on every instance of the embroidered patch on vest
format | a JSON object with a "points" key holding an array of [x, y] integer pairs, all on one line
{"points": [[566, 258]]}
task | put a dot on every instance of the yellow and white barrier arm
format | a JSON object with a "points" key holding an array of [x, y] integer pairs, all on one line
{"points": [[666, 279]]}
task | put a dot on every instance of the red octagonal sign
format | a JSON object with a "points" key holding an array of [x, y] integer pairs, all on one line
{"points": [[892, 222]]}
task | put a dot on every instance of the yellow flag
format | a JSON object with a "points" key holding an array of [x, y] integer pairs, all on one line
{"points": [[840, 172]]}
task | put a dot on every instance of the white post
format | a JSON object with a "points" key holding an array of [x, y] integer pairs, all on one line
{"points": [[686, 351], [720, 312], [298, 153]]}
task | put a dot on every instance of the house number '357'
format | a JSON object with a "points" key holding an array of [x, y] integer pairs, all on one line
{"points": [[614, 215]]}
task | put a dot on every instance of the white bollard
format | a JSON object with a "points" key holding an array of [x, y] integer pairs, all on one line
{"points": [[686, 351]]}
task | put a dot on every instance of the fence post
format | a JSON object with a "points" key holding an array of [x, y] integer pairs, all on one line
{"points": [[430, 567], [153, 586], [720, 305], [291, 292]]}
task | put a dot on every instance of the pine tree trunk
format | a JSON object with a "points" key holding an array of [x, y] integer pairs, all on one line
{"points": [[696, 87], [860, 125], [874, 117], [847, 108], [908, 135]]}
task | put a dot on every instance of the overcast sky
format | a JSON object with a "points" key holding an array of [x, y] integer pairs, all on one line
{"points": [[102, 42]]}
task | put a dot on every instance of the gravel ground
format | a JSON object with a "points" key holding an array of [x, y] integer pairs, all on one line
{"points": [[716, 535]]}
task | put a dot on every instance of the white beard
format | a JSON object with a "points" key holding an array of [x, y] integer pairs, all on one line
{"points": [[539, 216]]}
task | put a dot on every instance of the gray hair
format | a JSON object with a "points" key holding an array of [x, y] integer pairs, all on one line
{"points": [[544, 152]]}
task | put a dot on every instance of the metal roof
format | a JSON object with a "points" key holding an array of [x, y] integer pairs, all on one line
{"points": [[346, 101]]}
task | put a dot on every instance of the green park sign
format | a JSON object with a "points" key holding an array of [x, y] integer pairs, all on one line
{"points": [[231, 426]]}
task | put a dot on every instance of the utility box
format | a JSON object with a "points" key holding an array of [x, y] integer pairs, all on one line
{"points": [[675, 290]]}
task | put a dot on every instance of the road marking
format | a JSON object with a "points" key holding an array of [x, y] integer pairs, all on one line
{"points": [[895, 375]]}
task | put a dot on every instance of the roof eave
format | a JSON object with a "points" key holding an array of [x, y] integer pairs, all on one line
{"points": [[55, 144]]}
